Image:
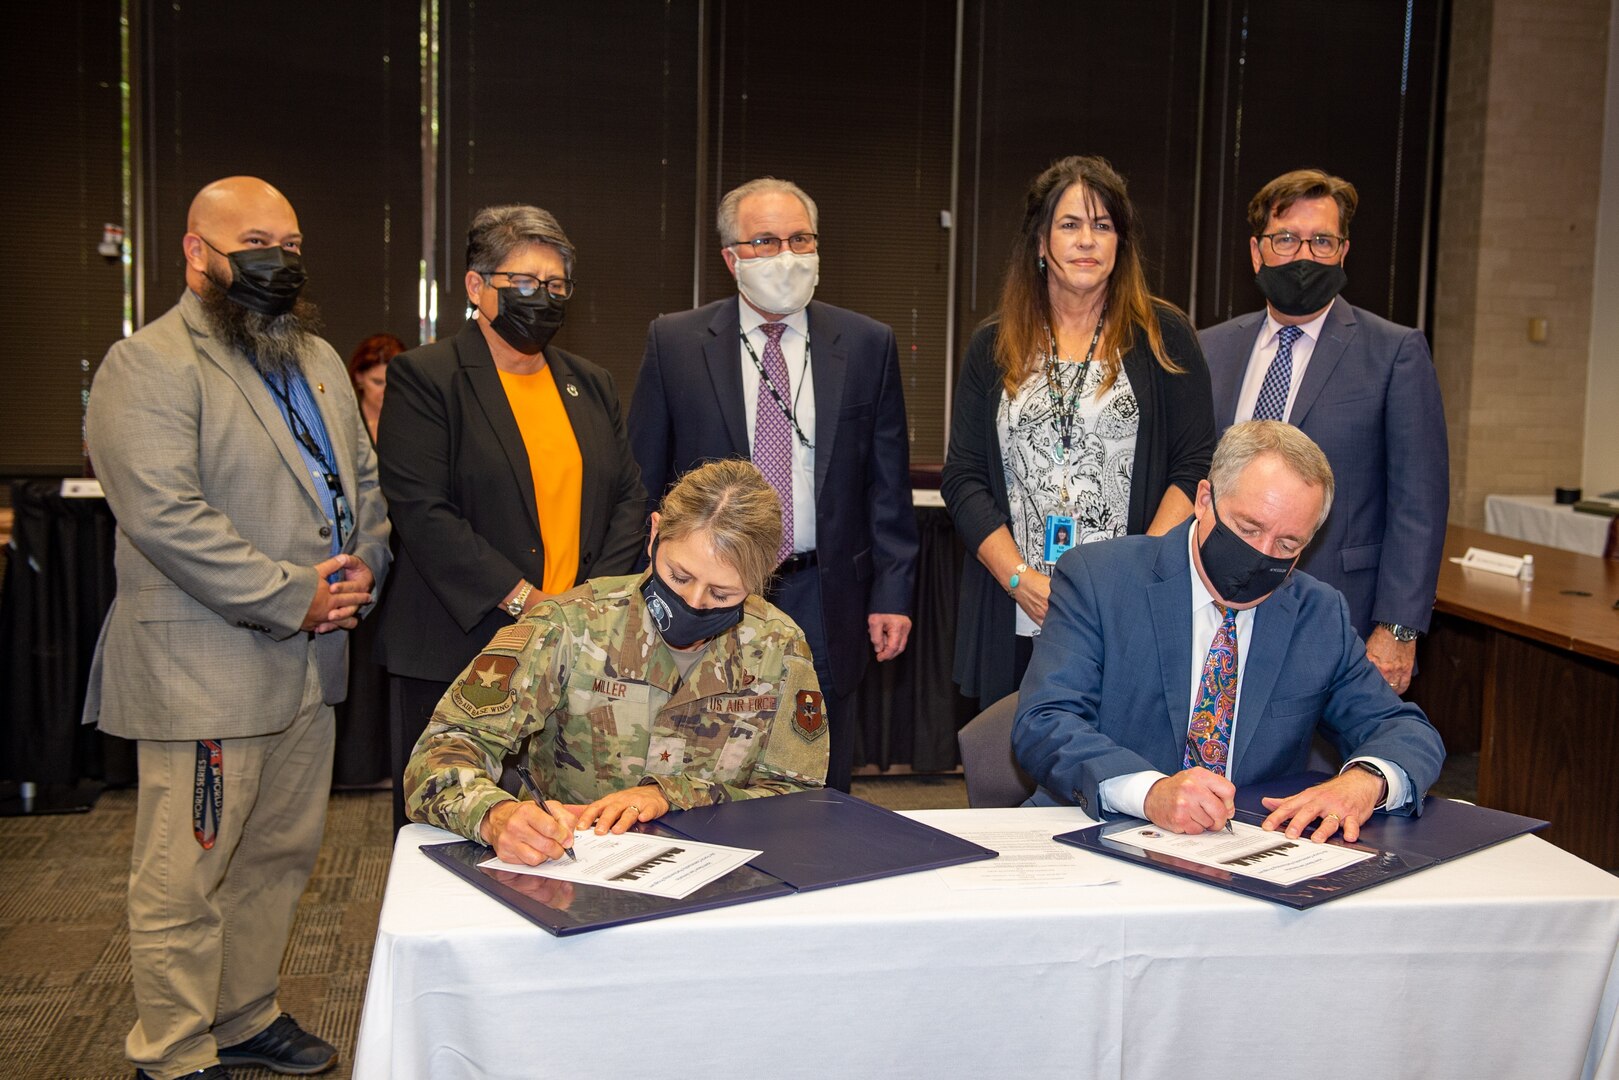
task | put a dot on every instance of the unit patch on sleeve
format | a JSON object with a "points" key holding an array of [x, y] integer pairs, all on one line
{"points": [[487, 687], [808, 718]]}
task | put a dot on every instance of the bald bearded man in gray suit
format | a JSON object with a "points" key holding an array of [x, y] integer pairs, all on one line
{"points": [[251, 534]]}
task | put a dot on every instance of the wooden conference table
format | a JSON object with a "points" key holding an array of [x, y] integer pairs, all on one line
{"points": [[1528, 676], [1504, 963]]}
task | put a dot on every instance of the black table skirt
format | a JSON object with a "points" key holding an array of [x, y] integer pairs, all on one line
{"points": [[59, 583]]}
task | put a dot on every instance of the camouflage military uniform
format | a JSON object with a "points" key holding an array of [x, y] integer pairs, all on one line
{"points": [[588, 684]]}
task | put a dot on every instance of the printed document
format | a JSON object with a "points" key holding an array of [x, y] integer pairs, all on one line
{"points": [[665, 866], [1247, 850]]}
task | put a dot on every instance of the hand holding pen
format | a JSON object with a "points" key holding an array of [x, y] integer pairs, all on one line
{"points": [[529, 833], [534, 790]]}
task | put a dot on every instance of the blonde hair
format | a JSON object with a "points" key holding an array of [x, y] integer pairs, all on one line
{"points": [[731, 503], [1245, 441]]}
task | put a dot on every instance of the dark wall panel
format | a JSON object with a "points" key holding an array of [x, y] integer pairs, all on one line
{"points": [[589, 111], [1117, 79], [853, 105], [323, 101], [1340, 85], [59, 184]]}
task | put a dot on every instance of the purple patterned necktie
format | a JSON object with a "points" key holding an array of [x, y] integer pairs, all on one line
{"points": [[773, 435], [1208, 737], [1272, 401]]}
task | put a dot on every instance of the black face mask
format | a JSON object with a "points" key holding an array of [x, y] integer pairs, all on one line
{"points": [[1301, 287], [680, 624], [1239, 572], [528, 323], [266, 280]]}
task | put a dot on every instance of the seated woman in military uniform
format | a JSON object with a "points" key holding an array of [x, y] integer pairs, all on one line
{"points": [[632, 696]]}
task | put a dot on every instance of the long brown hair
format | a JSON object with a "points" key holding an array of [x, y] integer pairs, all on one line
{"points": [[1025, 310]]}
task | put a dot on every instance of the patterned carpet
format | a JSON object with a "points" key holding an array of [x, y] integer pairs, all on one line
{"points": [[65, 997]]}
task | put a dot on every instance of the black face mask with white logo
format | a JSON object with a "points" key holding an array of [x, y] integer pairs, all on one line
{"points": [[1239, 572], [680, 624], [1301, 287]]}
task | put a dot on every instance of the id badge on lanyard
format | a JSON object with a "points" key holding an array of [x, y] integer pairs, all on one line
{"points": [[1062, 533]]}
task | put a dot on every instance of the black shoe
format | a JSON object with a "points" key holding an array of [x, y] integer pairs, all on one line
{"points": [[283, 1047], [212, 1072]]}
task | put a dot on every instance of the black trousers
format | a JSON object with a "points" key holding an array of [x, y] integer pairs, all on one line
{"points": [[410, 707], [799, 595]]}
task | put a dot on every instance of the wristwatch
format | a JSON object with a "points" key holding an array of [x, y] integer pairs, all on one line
{"points": [[1401, 633], [515, 608], [1021, 569], [1375, 771]]}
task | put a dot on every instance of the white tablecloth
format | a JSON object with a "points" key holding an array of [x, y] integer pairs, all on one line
{"points": [[1503, 964], [1539, 520]]}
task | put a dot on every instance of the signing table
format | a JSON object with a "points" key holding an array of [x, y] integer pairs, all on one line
{"points": [[1504, 963]]}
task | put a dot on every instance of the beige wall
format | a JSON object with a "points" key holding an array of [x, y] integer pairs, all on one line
{"points": [[1524, 125]]}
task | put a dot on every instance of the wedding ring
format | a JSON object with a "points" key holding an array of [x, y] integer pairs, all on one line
{"points": [[1335, 817], [635, 809]]}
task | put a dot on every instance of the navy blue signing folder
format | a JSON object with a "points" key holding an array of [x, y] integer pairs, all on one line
{"points": [[564, 907], [817, 839], [1402, 845], [810, 840]]}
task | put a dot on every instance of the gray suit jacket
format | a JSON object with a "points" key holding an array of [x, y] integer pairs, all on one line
{"points": [[219, 528]]}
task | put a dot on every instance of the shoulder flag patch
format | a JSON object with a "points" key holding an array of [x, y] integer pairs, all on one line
{"points": [[514, 637]]}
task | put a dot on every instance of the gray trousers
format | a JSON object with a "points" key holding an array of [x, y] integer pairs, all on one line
{"points": [[207, 927]]}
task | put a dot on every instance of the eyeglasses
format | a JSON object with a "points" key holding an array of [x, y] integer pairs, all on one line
{"points": [[1322, 245], [560, 288], [769, 246]]}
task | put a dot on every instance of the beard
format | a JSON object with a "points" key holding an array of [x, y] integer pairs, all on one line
{"points": [[272, 342]]}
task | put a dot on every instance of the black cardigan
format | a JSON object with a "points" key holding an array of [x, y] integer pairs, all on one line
{"points": [[461, 495], [1174, 443]]}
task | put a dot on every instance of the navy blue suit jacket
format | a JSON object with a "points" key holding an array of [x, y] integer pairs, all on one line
{"points": [[1108, 692], [1370, 400], [688, 409]]}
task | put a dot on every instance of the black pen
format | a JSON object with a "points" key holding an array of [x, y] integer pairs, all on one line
{"points": [[528, 782], [1191, 747]]}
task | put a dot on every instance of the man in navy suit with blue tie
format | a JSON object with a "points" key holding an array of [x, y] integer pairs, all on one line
{"points": [[1364, 389], [811, 394], [1171, 669]]}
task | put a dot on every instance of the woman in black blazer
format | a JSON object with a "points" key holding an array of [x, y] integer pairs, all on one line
{"points": [[506, 467]]}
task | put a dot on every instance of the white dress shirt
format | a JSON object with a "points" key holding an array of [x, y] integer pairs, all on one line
{"points": [[797, 352], [1127, 794], [1265, 352]]}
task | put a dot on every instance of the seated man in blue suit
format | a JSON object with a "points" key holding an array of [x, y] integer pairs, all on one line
{"points": [[1172, 668]]}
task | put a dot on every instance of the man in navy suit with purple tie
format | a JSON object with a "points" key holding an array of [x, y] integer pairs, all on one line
{"points": [[811, 394]]}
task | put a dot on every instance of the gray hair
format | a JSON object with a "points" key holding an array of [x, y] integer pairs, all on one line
{"points": [[733, 202], [497, 231], [1243, 442]]}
